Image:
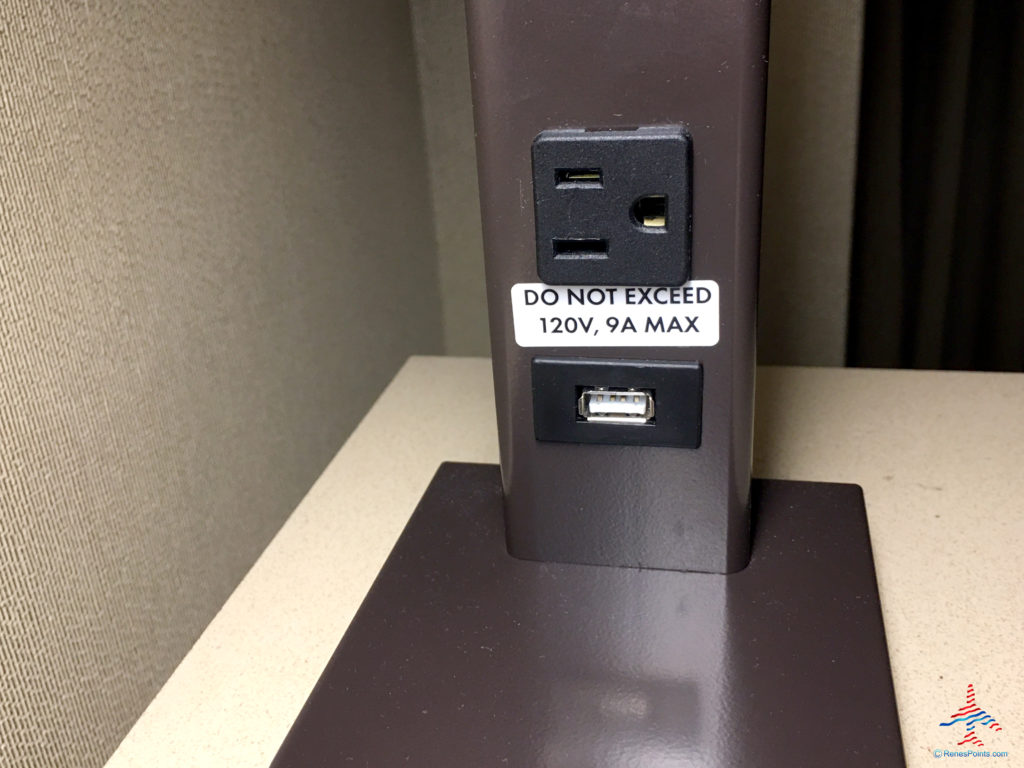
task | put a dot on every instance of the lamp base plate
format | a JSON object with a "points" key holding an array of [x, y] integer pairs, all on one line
{"points": [[462, 655]]}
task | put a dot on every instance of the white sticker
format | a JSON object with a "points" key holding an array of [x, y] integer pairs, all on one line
{"points": [[616, 316]]}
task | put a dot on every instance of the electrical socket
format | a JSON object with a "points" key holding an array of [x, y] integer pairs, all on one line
{"points": [[612, 207]]}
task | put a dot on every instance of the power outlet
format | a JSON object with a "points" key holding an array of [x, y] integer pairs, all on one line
{"points": [[613, 207]]}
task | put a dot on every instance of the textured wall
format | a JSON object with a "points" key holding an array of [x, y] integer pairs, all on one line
{"points": [[215, 248], [809, 175], [814, 80], [443, 63]]}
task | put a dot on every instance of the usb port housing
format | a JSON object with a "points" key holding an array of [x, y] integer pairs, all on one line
{"points": [[615, 405], [617, 402]]}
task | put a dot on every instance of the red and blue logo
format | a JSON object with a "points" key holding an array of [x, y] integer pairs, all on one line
{"points": [[972, 718]]}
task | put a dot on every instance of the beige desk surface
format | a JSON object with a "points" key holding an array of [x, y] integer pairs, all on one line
{"points": [[940, 457]]}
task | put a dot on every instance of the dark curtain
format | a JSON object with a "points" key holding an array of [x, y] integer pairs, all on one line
{"points": [[937, 270]]}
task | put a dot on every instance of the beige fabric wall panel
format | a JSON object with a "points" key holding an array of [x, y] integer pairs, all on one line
{"points": [[443, 61], [809, 177], [215, 249], [814, 80]]}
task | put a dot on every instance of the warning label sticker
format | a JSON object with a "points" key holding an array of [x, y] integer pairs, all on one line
{"points": [[616, 316]]}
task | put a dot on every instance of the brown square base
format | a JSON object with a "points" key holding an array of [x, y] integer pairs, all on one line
{"points": [[464, 657]]}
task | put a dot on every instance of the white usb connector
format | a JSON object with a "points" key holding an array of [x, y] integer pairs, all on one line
{"points": [[616, 406]]}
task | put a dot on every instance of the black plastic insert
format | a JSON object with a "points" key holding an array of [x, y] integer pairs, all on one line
{"points": [[676, 388], [627, 191]]}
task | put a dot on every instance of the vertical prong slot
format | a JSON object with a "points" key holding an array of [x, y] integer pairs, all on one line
{"points": [[580, 248], [579, 178]]}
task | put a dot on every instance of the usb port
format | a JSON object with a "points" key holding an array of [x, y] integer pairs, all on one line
{"points": [[600, 401], [615, 406]]}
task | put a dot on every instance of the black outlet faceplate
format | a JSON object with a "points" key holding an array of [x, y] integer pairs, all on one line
{"points": [[613, 207]]}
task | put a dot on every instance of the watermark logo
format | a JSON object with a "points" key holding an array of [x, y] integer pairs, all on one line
{"points": [[972, 718]]}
